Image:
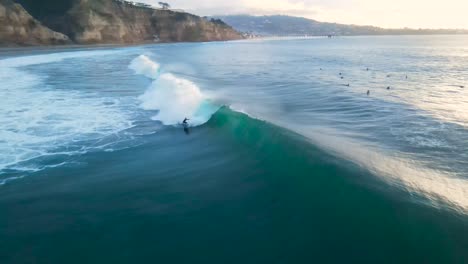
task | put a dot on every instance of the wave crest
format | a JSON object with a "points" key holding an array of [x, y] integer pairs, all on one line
{"points": [[175, 98], [143, 65]]}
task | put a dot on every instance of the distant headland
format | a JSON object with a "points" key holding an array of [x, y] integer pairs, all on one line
{"points": [[283, 26]]}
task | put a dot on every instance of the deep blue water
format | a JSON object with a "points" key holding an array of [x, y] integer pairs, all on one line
{"points": [[287, 160]]}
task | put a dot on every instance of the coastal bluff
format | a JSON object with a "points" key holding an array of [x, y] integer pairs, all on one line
{"points": [[18, 27], [110, 22]]}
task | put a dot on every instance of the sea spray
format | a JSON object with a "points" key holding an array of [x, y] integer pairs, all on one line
{"points": [[174, 98], [143, 65]]}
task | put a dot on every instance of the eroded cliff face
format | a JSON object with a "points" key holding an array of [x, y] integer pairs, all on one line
{"points": [[18, 27], [110, 21]]}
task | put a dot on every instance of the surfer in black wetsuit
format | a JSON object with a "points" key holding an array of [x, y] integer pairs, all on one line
{"points": [[185, 125]]}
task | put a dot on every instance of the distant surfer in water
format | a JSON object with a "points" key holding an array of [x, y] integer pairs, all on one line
{"points": [[185, 125]]}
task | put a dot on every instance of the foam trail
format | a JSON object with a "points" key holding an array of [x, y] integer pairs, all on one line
{"points": [[175, 98], [39, 121], [5, 181], [16, 62], [435, 185]]}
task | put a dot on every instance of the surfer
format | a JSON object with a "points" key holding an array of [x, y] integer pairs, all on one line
{"points": [[185, 125], [368, 92]]}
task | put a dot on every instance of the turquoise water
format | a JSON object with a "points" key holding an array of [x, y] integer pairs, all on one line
{"points": [[283, 163]]}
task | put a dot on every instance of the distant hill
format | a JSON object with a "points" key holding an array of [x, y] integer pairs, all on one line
{"points": [[280, 25]]}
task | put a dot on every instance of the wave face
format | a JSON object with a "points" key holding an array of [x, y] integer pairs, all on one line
{"points": [[174, 98], [439, 189]]}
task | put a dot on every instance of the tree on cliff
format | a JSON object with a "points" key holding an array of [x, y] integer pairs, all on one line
{"points": [[164, 5]]}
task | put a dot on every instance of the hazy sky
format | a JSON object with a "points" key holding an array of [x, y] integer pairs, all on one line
{"points": [[384, 13]]}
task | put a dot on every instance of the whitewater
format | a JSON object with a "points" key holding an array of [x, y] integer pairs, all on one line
{"points": [[174, 98]]}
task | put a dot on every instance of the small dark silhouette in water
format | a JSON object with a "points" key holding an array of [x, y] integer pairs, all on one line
{"points": [[341, 73], [388, 87], [368, 92], [321, 69], [461, 86], [342, 77], [347, 84], [406, 77], [367, 69], [186, 126]]}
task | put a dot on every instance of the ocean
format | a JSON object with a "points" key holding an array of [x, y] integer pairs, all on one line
{"points": [[342, 150]]}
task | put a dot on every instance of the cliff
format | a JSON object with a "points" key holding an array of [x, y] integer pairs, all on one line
{"points": [[18, 27], [115, 22]]}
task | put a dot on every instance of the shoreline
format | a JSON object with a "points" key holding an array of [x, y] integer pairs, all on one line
{"points": [[97, 46], [7, 48]]}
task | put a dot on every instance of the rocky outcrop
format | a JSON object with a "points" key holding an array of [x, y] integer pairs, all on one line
{"points": [[116, 22], [18, 27]]}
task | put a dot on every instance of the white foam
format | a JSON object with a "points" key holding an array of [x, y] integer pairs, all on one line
{"points": [[37, 120], [174, 98], [5, 181], [142, 65], [16, 62], [401, 171]]}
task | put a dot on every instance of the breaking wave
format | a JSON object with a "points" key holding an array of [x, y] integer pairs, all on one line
{"points": [[173, 97]]}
